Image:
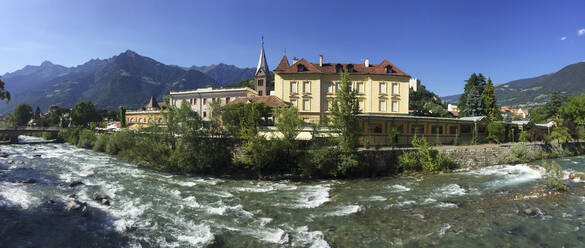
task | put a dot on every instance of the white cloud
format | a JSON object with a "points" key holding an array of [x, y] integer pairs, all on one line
{"points": [[563, 38], [581, 32]]}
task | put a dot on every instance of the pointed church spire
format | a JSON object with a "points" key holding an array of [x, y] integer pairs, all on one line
{"points": [[262, 64]]}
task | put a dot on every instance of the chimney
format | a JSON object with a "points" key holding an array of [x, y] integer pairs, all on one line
{"points": [[367, 63], [321, 60], [295, 60]]}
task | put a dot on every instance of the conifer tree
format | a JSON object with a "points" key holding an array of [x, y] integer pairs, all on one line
{"points": [[488, 97], [475, 81], [474, 103]]}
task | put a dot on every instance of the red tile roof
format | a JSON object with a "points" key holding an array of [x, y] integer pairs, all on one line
{"points": [[271, 101], [330, 68]]}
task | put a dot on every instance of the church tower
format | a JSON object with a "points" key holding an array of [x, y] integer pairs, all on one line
{"points": [[262, 77]]}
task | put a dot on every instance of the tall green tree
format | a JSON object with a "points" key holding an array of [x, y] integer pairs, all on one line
{"points": [[488, 96], [4, 94], [288, 122], [22, 114], [344, 111], [84, 113], [426, 103], [573, 112], [122, 116], [475, 81], [474, 103], [38, 113]]}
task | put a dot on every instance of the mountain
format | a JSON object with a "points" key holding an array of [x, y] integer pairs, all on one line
{"points": [[126, 79], [532, 91], [226, 74], [33, 76]]}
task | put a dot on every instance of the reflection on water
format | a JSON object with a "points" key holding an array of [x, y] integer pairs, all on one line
{"points": [[484, 207]]}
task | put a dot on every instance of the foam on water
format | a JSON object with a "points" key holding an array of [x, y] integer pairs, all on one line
{"points": [[342, 211], [398, 188], [14, 195], [449, 190], [312, 196], [446, 205], [197, 235], [304, 238], [376, 198]]}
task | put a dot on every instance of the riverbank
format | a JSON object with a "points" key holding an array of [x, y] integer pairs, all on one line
{"points": [[494, 206]]}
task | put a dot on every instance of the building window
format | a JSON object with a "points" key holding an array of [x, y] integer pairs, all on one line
{"points": [[293, 87], [306, 104], [300, 68], [361, 105], [375, 127], [306, 87], [327, 104], [395, 106], [350, 68], [294, 102], [360, 88], [191, 101], [260, 93], [453, 130], [260, 82], [204, 114], [204, 101], [382, 106], [382, 88], [436, 129], [417, 129], [338, 68], [131, 120], [331, 88], [194, 100], [388, 69], [396, 88], [139, 120], [466, 128], [227, 100]]}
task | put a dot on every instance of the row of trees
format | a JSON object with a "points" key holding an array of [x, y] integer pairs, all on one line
{"points": [[478, 98]]}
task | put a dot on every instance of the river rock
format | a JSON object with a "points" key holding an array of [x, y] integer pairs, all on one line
{"points": [[75, 183], [50, 202], [72, 196], [3, 155], [84, 211], [10, 161], [530, 212], [572, 176], [75, 205], [37, 155], [101, 198], [29, 180]]}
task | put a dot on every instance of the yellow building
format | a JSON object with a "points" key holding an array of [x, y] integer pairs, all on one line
{"points": [[382, 89], [148, 114]]}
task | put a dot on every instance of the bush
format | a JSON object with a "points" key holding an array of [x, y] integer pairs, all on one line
{"points": [[581, 133], [120, 143], [554, 176], [496, 131], [100, 143], [524, 136], [518, 154], [425, 159], [86, 139], [561, 135]]}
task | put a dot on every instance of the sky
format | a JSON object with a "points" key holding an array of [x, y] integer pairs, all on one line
{"points": [[440, 42]]}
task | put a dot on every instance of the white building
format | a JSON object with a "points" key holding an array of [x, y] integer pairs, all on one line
{"points": [[200, 99], [414, 83]]}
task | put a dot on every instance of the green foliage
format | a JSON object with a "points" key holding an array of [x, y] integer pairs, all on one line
{"points": [[470, 103], [554, 176], [288, 122], [581, 132], [426, 103], [518, 154], [84, 113], [525, 136], [344, 111], [4, 94], [393, 134], [488, 97], [86, 139], [425, 158], [496, 132], [22, 114], [561, 135], [122, 117], [100, 143], [574, 110], [49, 135]]}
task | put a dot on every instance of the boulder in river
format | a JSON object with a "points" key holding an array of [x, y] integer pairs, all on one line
{"points": [[3, 155], [75, 183], [72, 196], [101, 198], [530, 212], [37, 155], [75, 205], [28, 180]]}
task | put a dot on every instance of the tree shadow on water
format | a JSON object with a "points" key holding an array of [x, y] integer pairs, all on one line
{"points": [[51, 225]]}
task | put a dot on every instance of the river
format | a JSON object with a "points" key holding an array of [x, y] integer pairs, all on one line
{"points": [[478, 208]]}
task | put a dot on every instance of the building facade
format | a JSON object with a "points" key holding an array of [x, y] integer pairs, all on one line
{"points": [[311, 87], [200, 99], [146, 115]]}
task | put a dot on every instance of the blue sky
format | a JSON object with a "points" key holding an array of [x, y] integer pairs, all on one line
{"points": [[441, 42]]}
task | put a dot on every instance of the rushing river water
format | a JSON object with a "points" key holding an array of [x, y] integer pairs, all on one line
{"points": [[482, 207]]}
